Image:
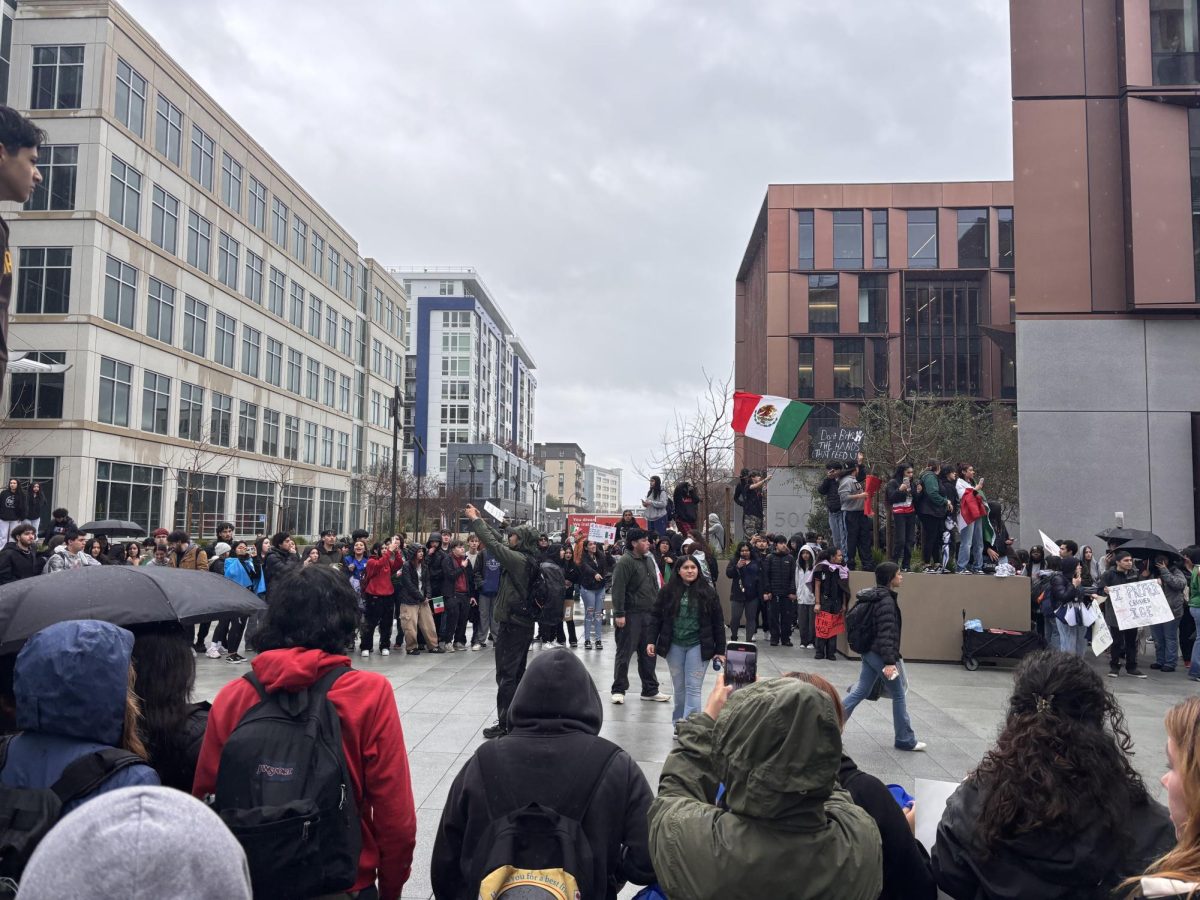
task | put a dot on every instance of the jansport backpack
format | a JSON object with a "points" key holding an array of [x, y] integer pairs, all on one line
{"points": [[860, 623], [284, 790], [532, 850], [27, 814]]}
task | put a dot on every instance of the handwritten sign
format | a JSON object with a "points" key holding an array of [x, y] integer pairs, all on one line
{"points": [[836, 443], [1140, 603], [494, 511], [1048, 545], [602, 534], [1101, 636]]}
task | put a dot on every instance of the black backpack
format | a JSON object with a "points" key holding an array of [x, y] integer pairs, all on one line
{"points": [[860, 623], [27, 814], [545, 585], [284, 790], [532, 850]]}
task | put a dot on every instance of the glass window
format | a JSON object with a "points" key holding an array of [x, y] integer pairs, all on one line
{"points": [[327, 446], [296, 313], [247, 426], [251, 347], [299, 239], [1174, 41], [199, 502], [1006, 237], [222, 420], [45, 280], [347, 335], [57, 78], [848, 368], [942, 337], [199, 244], [922, 239], [805, 360], [881, 377], [120, 289], [202, 159], [329, 384], [279, 218], [38, 395], [156, 402], [270, 441], [253, 287], [335, 265], [291, 438], [168, 129], [331, 326], [294, 366], [1012, 297], [310, 442], [160, 311], [195, 326], [125, 194], [973, 239], [872, 304], [255, 503], [191, 411], [116, 382], [257, 199], [274, 373], [847, 238], [296, 509], [805, 232], [314, 315], [344, 393], [1194, 141], [59, 166], [275, 293], [164, 219], [129, 492], [333, 510], [231, 182], [41, 469], [823, 304], [131, 98], [223, 340], [363, 278], [312, 389], [348, 279], [879, 238], [318, 254], [1008, 376], [228, 251]]}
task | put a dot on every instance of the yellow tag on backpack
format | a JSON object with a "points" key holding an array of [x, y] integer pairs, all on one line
{"points": [[511, 883]]}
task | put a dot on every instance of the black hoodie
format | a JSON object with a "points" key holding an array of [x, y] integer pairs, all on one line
{"points": [[554, 719]]}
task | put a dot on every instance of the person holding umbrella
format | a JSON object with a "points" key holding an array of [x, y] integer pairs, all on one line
{"points": [[1166, 634], [1124, 642]]}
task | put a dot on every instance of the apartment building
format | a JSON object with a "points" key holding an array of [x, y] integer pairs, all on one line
{"points": [[564, 467], [220, 331], [602, 489]]}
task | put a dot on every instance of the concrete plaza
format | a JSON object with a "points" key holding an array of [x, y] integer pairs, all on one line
{"points": [[446, 701]]}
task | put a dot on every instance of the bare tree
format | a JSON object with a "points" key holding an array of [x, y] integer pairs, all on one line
{"points": [[196, 465], [280, 473]]}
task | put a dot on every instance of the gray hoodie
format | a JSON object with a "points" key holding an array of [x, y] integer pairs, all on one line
{"points": [[138, 843], [850, 485], [716, 533]]}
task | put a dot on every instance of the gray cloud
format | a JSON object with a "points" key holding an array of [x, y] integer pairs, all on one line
{"points": [[601, 164]]}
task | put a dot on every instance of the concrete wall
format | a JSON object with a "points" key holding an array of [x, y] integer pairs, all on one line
{"points": [[1104, 424]]}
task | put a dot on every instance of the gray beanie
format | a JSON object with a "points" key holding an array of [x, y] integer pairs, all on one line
{"points": [[138, 843]]}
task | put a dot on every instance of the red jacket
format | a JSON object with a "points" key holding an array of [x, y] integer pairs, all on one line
{"points": [[371, 737], [378, 581]]}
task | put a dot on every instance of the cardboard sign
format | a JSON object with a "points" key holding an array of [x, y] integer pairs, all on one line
{"points": [[1140, 603], [602, 534], [494, 511], [1049, 546], [836, 443], [1101, 636], [931, 798]]}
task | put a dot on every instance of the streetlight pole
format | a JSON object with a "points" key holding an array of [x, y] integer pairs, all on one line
{"points": [[418, 448], [395, 450]]}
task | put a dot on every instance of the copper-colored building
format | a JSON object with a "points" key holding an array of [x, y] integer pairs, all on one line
{"points": [[852, 291]]}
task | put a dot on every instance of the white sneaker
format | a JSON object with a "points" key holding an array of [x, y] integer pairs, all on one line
{"points": [[365, 654], [618, 698], [660, 697], [918, 747], [385, 652], [475, 647], [214, 651]]}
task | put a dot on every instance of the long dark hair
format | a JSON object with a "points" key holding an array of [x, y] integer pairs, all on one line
{"points": [[655, 487], [166, 673], [1061, 764], [312, 607], [699, 590]]}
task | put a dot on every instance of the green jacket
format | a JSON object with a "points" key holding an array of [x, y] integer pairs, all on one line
{"points": [[789, 830], [634, 584], [1194, 589], [513, 577]]}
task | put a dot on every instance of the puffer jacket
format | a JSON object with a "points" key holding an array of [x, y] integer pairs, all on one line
{"points": [[514, 577], [887, 623], [788, 830], [276, 563], [777, 575], [743, 582]]}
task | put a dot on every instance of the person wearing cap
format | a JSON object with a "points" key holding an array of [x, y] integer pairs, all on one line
{"points": [[158, 539], [215, 649], [328, 552]]}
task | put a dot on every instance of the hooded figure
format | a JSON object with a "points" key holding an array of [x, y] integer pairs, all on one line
{"points": [[784, 828], [71, 682], [139, 843], [554, 723], [716, 533]]}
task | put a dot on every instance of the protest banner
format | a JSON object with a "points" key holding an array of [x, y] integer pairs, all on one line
{"points": [[1139, 603], [1101, 636], [836, 443], [1050, 547], [602, 534], [494, 511]]}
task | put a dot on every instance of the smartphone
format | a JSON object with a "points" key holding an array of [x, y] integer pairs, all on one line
{"points": [[741, 664]]}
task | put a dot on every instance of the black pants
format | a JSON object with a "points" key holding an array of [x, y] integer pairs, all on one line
{"points": [[858, 538], [380, 613], [631, 639], [512, 649], [931, 539], [826, 648], [1124, 642], [454, 620], [473, 618], [1187, 635], [736, 609], [202, 633], [782, 617], [229, 632], [807, 618], [904, 536]]}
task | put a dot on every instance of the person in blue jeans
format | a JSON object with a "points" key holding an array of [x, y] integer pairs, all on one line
{"points": [[592, 565], [883, 660], [1166, 634], [655, 503], [688, 628]]}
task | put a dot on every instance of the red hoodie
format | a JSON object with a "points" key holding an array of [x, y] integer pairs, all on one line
{"points": [[373, 742], [378, 580]]}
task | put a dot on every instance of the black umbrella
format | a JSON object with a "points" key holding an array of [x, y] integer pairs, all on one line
{"points": [[123, 595], [109, 527], [1150, 547], [1121, 535]]}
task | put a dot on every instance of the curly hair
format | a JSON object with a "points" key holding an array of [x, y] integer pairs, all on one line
{"points": [[1061, 762]]}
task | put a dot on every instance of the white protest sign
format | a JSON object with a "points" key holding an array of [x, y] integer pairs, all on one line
{"points": [[493, 510], [1051, 547], [1140, 603], [931, 798], [1101, 636], [602, 534]]}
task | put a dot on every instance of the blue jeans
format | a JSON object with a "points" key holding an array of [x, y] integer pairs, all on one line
{"points": [[1166, 643], [837, 530], [1071, 638], [593, 612], [872, 670], [1194, 668], [970, 546], [687, 675], [658, 526]]}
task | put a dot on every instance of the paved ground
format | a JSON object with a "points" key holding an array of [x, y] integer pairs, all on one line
{"points": [[445, 701]]}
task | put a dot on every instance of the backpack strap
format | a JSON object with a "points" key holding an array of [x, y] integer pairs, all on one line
{"points": [[593, 767], [295, 703], [587, 779], [91, 770]]}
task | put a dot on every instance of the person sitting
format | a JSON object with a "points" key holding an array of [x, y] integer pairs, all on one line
{"points": [[552, 739], [1055, 809], [781, 827]]}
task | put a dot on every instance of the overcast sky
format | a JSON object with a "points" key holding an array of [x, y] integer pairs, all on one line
{"points": [[600, 163]]}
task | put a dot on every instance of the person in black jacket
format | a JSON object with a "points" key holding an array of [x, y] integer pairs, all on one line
{"points": [[907, 874], [412, 591], [744, 593], [435, 557], [900, 494], [1056, 809], [551, 755], [279, 559], [12, 509], [1125, 642], [778, 574], [59, 522], [687, 506], [688, 628], [828, 489], [19, 558], [592, 568], [883, 660]]}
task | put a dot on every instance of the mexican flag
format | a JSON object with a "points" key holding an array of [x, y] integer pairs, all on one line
{"points": [[773, 420]]}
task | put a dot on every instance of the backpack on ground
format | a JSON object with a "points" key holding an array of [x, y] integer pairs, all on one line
{"points": [[532, 850], [860, 623], [545, 586], [27, 814], [284, 790]]}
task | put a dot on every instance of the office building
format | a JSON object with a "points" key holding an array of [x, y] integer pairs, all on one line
{"points": [[602, 489], [221, 332], [487, 473], [564, 466], [848, 292]]}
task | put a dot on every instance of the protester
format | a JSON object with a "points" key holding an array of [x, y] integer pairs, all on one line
{"points": [[242, 568], [475, 559], [778, 584], [58, 523], [972, 514], [1124, 642], [133, 554], [697, 549], [328, 552], [749, 496], [932, 509], [948, 480], [626, 522], [1166, 634], [69, 554], [806, 600], [592, 565], [93, 548], [831, 591], [899, 493], [487, 582], [664, 558], [311, 556], [635, 587], [1055, 809], [553, 756], [19, 557], [744, 592], [138, 842], [1037, 557], [655, 503], [883, 660], [413, 595], [1071, 608], [715, 533], [311, 616], [1194, 612], [37, 506], [279, 559], [457, 581], [435, 560], [12, 499], [377, 592], [224, 536], [828, 490], [687, 506], [172, 726], [1091, 571], [858, 527], [781, 826]]}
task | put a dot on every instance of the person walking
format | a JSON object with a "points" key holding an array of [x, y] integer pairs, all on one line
{"points": [[592, 565], [378, 612], [972, 513], [744, 591], [884, 660], [12, 500], [828, 489], [635, 586], [858, 527], [688, 628], [1124, 642], [900, 493], [413, 595], [831, 590], [655, 503]]}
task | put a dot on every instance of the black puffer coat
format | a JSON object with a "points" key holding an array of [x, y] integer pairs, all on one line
{"points": [[777, 574], [887, 623]]}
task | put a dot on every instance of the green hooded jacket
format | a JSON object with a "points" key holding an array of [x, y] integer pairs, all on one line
{"points": [[789, 830], [513, 578]]}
